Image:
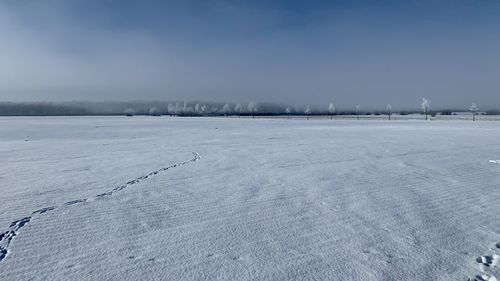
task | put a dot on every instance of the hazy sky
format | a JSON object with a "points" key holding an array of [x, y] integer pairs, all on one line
{"points": [[352, 52]]}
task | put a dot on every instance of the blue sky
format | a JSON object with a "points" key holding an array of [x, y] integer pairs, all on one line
{"points": [[352, 52]]}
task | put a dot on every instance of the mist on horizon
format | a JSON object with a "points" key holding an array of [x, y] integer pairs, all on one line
{"points": [[288, 52]]}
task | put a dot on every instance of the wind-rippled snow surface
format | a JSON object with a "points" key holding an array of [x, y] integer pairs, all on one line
{"points": [[143, 198]]}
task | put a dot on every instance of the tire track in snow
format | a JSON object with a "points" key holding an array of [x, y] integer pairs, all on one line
{"points": [[6, 237]]}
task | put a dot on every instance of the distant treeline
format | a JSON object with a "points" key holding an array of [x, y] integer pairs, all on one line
{"points": [[186, 109]]}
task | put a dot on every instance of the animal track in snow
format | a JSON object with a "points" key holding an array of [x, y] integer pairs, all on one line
{"points": [[484, 277], [489, 261], [486, 263], [43, 210], [73, 202], [7, 236]]}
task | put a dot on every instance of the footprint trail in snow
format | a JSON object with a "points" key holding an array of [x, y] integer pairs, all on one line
{"points": [[6, 237]]}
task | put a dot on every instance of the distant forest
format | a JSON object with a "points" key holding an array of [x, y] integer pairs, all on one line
{"points": [[186, 109]]}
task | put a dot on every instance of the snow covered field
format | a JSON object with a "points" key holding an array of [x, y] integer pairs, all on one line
{"points": [[144, 198]]}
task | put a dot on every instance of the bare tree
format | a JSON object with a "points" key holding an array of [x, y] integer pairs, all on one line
{"points": [[389, 110], [473, 108], [331, 110], [358, 108], [307, 111], [425, 106]]}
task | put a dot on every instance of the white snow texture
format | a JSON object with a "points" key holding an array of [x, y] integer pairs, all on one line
{"points": [[169, 198]]}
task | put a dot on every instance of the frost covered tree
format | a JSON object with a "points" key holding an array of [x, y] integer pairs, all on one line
{"points": [[288, 111], [473, 108], [307, 111], [238, 109], [225, 109], [197, 109], [252, 107], [184, 108], [153, 111], [203, 109], [129, 112], [331, 110], [389, 110], [358, 108], [425, 106], [170, 109], [176, 108]]}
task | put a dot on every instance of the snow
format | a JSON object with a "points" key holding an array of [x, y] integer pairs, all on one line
{"points": [[160, 198]]}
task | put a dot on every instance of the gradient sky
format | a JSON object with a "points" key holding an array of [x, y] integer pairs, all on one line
{"points": [[352, 52]]}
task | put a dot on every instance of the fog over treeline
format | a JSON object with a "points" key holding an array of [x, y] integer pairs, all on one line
{"points": [[352, 52], [193, 108]]}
